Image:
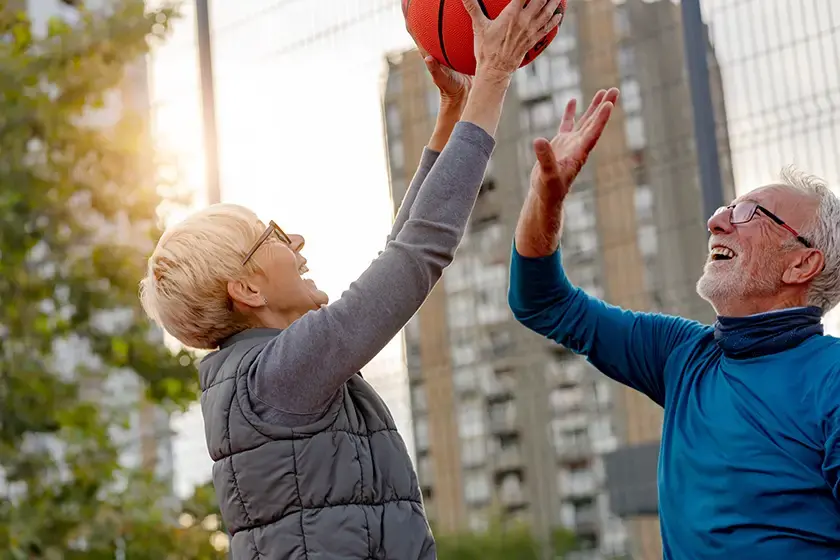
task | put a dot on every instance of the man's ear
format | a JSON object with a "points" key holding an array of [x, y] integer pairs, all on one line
{"points": [[243, 293], [806, 267]]}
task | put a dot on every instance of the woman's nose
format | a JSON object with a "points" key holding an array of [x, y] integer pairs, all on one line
{"points": [[297, 242]]}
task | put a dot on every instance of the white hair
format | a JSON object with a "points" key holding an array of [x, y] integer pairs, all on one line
{"points": [[823, 232], [185, 288]]}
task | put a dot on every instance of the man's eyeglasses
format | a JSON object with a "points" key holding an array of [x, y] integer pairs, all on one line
{"points": [[272, 229], [745, 211]]}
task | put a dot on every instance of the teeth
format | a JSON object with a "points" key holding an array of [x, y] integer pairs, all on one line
{"points": [[723, 251], [303, 269]]}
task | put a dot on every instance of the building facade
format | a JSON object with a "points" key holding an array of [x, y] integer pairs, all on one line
{"points": [[508, 425]]}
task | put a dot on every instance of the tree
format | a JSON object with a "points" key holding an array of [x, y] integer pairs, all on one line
{"points": [[79, 197]]}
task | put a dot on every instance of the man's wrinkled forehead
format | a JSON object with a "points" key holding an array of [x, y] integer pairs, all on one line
{"points": [[790, 204]]}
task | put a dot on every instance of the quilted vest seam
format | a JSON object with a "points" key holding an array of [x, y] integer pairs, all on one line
{"points": [[300, 501]]}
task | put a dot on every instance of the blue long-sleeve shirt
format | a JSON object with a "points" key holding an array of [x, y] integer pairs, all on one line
{"points": [[749, 465]]}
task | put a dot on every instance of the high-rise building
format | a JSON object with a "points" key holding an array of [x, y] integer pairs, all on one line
{"points": [[508, 425]]}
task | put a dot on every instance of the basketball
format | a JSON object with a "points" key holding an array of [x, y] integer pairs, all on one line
{"points": [[444, 29]]}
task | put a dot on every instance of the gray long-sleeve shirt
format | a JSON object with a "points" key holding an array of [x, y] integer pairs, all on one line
{"points": [[300, 371]]}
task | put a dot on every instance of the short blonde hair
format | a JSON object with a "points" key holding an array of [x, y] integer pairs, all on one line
{"points": [[185, 287]]}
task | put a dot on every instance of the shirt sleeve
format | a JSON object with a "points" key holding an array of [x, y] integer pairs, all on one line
{"points": [[301, 369], [629, 347], [829, 406]]}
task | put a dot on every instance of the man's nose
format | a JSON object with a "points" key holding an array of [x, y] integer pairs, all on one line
{"points": [[720, 222]]}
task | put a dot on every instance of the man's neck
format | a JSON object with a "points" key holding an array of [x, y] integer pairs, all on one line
{"points": [[746, 307]]}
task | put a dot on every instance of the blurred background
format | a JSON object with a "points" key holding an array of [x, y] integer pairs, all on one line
{"points": [[315, 114]]}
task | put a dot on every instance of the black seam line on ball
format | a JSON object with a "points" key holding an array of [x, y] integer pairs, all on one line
{"points": [[440, 33]]}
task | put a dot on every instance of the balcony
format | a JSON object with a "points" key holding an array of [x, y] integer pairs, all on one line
{"points": [[509, 460], [513, 499], [579, 486], [587, 520], [500, 388], [573, 449], [503, 419]]}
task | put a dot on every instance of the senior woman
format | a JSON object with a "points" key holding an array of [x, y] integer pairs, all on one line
{"points": [[308, 461]]}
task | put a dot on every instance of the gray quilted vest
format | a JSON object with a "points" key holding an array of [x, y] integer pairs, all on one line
{"points": [[343, 487]]}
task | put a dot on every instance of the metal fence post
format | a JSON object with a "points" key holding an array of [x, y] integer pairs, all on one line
{"points": [[208, 101], [696, 43]]}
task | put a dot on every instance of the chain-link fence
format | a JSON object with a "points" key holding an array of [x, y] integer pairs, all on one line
{"points": [[506, 426]]}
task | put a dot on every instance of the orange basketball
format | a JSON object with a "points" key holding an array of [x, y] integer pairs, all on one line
{"points": [[444, 29]]}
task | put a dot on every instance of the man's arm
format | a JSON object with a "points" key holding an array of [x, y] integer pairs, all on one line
{"points": [[828, 405], [631, 348]]}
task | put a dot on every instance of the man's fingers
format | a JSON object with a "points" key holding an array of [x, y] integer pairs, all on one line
{"points": [[593, 106], [592, 133], [545, 157], [603, 96], [612, 95], [567, 124], [475, 12]]}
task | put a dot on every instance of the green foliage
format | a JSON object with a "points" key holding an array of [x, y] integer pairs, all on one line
{"points": [[79, 194], [499, 543]]}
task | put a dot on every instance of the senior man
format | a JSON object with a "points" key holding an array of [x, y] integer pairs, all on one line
{"points": [[750, 456]]}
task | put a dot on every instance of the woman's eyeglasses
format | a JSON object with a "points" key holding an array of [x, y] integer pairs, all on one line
{"points": [[272, 229]]}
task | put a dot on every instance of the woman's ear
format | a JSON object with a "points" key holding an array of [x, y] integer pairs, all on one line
{"points": [[244, 293]]}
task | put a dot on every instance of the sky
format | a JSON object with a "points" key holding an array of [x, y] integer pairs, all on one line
{"points": [[299, 113]]}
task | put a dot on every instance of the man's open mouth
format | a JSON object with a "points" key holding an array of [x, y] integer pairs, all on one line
{"points": [[720, 253]]}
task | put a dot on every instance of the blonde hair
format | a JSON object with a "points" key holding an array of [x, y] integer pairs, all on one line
{"points": [[185, 287]]}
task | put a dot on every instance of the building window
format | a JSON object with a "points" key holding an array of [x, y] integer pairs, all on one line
{"points": [[473, 451], [433, 101], [424, 470], [561, 98], [471, 419], [644, 203], [464, 352], [476, 487], [631, 95], [393, 120], [421, 433], [648, 243], [634, 128], [464, 379], [580, 214], [564, 73], [418, 398], [541, 114], [394, 86], [621, 21], [626, 61], [566, 39], [396, 153]]}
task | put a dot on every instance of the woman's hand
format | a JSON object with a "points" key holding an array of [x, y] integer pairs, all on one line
{"points": [[501, 44], [454, 90], [454, 87]]}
